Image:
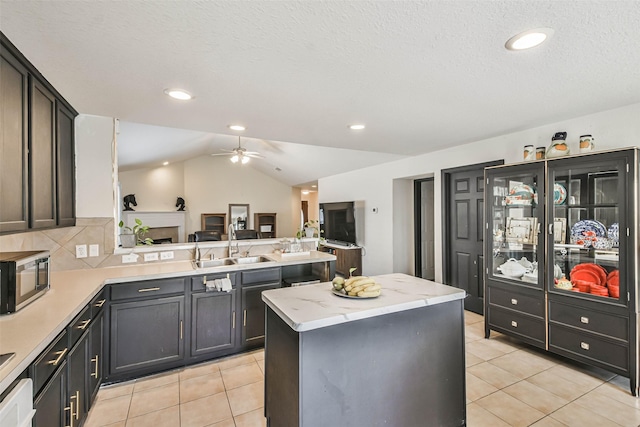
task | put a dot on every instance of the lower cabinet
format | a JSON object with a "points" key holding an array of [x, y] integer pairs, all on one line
{"points": [[51, 403], [253, 308], [145, 335], [213, 322], [77, 366], [94, 366]]}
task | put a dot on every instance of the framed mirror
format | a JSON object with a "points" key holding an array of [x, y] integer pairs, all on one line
{"points": [[239, 216]]}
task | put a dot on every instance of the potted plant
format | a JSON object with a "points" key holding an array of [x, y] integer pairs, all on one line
{"points": [[311, 228], [130, 237]]}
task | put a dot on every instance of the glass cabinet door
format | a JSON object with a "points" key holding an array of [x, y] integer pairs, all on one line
{"points": [[585, 222], [515, 211]]}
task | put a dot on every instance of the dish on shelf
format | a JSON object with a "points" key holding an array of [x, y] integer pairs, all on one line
{"points": [[586, 232], [512, 268], [530, 277], [343, 295], [521, 194], [559, 194], [614, 234]]}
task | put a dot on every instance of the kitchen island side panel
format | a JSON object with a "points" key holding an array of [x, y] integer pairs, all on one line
{"points": [[400, 369]]}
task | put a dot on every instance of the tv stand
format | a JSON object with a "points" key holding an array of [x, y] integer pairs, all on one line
{"points": [[346, 257]]}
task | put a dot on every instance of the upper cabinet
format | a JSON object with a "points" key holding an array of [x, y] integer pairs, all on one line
{"points": [[561, 257], [37, 166]]}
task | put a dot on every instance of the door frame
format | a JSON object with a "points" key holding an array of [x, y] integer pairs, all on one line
{"points": [[446, 199], [417, 221]]}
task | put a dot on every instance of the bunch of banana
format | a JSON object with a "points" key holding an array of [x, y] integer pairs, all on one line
{"points": [[362, 286]]}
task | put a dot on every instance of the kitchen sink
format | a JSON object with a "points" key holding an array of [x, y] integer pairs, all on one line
{"points": [[217, 262], [251, 259]]}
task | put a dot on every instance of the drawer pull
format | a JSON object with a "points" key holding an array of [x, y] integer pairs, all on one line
{"points": [[584, 345], [95, 359], [84, 324], [100, 303], [77, 398], [148, 289], [60, 355], [514, 301], [584, 320], [514, 323]]}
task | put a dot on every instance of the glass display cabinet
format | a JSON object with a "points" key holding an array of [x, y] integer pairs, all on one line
{"points": [[561, 257]]}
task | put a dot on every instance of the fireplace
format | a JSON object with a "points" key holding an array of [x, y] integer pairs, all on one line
{"points": [[162, 225]]}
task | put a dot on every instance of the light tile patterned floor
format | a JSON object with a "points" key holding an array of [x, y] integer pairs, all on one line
{"points": [[508, 384]]}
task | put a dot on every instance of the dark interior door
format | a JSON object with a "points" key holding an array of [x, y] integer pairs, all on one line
{"points": [[463, 232]]}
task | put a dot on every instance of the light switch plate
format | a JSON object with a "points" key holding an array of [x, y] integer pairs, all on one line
{"points": [[151, 256], [129, 258], [94, 250]]}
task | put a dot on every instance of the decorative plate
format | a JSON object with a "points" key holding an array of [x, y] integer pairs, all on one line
{"points": [[586, 232], [559, 194], [343, 295], [614, 234]]}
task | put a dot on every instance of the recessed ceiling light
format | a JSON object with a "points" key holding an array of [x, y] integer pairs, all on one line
{"points": [[305, 191], [356, 127], [313, 186], [180, 94], [528, 39], [236, 127], [165, 163]]}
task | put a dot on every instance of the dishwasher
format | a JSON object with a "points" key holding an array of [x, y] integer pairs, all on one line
{"points": [[16, 409]]}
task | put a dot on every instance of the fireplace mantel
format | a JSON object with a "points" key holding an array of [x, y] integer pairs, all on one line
{"points": [[158, 219]]}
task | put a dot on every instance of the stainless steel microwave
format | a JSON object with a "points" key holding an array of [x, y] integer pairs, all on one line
{"points": [[24, 277]]}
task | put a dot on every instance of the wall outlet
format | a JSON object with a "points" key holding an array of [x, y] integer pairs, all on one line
{"points": [[166, 255], [81, 251], [129, 258], [94, 250], [152, 256]]}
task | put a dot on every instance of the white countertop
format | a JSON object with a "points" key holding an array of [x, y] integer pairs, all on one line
{"points": [[29, 331], [309, 307]]}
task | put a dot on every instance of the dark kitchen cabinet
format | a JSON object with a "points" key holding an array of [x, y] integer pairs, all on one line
{"points": [[253, 308], [51, 402], [213, 322], [561, 257], [95, 358], [14, 86], [37, 166], [78, 374]]}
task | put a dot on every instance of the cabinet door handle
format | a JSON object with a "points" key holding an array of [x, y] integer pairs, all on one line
{"points": [[95, 360], [181, 328], [233, 320], [514, 301], [60, 354], [84, 324], [244, 317], [584, 320], [148, 289], [77, 398], [70, 409], [550, 228], [100, 303], [584, 345], [514, 323]]}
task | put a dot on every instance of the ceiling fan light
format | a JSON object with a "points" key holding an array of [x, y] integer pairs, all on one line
{"points": [[245, 160], [234, 158]]}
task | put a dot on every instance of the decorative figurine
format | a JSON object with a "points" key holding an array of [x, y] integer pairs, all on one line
{"points": [[180, 204], [129, 199]]}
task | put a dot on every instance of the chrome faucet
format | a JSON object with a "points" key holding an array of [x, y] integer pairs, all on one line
{"points": [[231, 234], [196, 254]]}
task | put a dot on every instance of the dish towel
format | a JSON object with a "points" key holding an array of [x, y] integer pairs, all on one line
{"points": [[211, 286], [226, 284]]}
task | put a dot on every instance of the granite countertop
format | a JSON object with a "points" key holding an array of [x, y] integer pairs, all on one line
{"points": [[29, 331], [309, 307]]}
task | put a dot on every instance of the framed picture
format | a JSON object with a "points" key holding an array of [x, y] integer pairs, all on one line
{"points": [[559, 230], [521, 230]]}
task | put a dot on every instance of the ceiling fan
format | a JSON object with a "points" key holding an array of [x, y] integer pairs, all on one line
{"points": [[240, 154]]}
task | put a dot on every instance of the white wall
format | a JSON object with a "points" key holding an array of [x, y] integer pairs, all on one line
{"points": [[611, 129], [156, 189], [212, 183], [94, 166]]}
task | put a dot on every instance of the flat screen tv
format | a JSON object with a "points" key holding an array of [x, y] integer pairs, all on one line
{"points": [[338, 222]]}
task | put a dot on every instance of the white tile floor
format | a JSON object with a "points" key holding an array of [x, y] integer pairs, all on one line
{"points": [[508, 384]]}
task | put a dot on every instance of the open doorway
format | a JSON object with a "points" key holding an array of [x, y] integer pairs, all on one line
{"points": [[424, 229]]}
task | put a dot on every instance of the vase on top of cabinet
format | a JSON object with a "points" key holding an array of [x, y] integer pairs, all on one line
{"points": [[580, 235]]}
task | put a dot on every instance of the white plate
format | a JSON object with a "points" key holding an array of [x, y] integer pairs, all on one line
{"points": [[343, 295]]}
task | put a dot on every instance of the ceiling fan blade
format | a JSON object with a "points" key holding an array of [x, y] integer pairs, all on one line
{"points": [[221, 154], [254, 155]]}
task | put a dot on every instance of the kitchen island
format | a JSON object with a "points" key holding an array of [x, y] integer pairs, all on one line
{"points": [[395, 360]]}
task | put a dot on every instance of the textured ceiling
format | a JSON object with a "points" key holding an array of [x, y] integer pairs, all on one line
{"points": [[421, 75]]}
